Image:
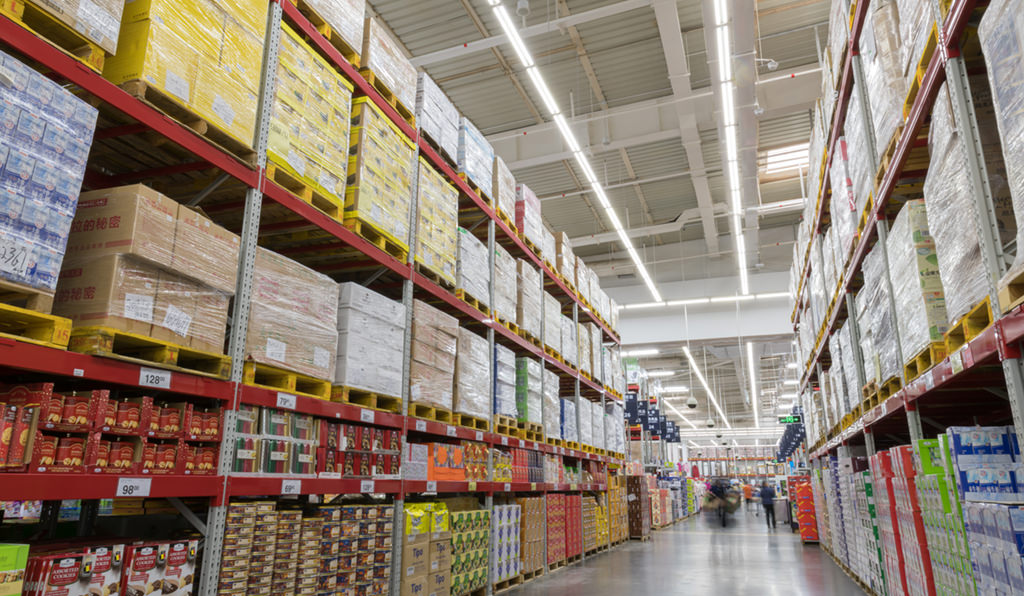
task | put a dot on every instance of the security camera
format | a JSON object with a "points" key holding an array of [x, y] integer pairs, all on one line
{"points": [[710, 423], [718, 435], [772, 64], [523, 9], [758, 110], [691, 402]]}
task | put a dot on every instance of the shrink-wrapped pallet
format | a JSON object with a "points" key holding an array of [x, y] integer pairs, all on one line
{"points": [[436, 116], [552, 406], [345, 18], [615, 428], [583, 280], [473, 375], [880, 44], [597, 425], [503, 188], [867, 345], [570, 349], [816, 281], [504, 381], [586, 423], [860, 166], [850, 352], [528, 218], [596, 362], [476, 157], [843, 201], [566, 264], [371, 335], [529, 397], [838, 38], [437, 236], [916, 24], [583, 361], [381, 170], [880, 317], [432, 365], [828, 261], [552, 323], [293, 322], [309, 138], [613, 312], [920, 302], [570, 431], [505, 285], [841, 393], [529, 299], [547, 248], [473, 273], [383, 56]]}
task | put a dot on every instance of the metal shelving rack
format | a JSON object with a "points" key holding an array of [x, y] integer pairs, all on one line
{"points": [[260, 191], [992, 361]]}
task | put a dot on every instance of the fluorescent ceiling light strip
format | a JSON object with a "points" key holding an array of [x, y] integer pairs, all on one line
{"points": [[641, 305], [737, 298], [707, 388], [754, 394], [570, 139], [641, 352], [687, 302], [680, 414], [661, 373], [676, 389], [515, 40], [542, 89], [769, 295]]}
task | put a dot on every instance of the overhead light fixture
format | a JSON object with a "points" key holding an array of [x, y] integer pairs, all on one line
{"points": [[788, 396], [770, 295], [732, 298], [542, 89], [676, 389], [680, 414], [687, 302], [641, 352], [662, 373], [640, 305], [710, 423], [754, 394], [791, 382], [694, 443], [704, 382], [792, 365]]}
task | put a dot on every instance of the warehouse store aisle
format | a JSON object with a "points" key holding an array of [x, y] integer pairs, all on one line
{"points": [[694, 557]]}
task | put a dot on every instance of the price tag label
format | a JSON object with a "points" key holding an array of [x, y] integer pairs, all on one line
{"points": [[956, 361], [929, 381], [154, 377], [366, 486], [479, 435], [572, 487], [504, 441], [291, 487], [330, 475], [472, 487], [285, 401], [508, 487], [522, 443], [450, 431], [421, 426], [533, 486], [366, 415], [431, 486], [78, 372], [133, 487]]}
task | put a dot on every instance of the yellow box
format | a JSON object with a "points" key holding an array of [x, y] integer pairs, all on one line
{"points": [[156, 54], [200, 22], [241, 54], [223, 102]]}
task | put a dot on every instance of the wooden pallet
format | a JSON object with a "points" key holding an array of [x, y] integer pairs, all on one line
{"points": [[451, 159], [366, 399], [507, 324], [574, 559], [528, 575], [531, 430], [505, 218], [430, 413], [556, 565], [590, 449], [279, 379], [890, 387], [429, 273], [922, 66], [641, 538], [146, 351], [508, 426], [173, 107], [470, 300], [869, 390], [31, 326], [551, 352], [350, 54], [573, 445], [483, 194], [924, 360], [472, 422], [1011, 291], [529, 243], [530, 338], [554, 441], [508, 584], [404, 112], [369, 232], [59, 34], [29, 298], [333, 207], [969, 326]]}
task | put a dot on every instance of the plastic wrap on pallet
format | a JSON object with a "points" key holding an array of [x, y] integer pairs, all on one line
{"points": [[529, 397], [204, 56], [920, 302], [552, 323], [860, 166], [504, 381], [45, 135], [916, 24], [476, 157], [614, 427], [436, 116], [843, 201], [880, 45], [383, 55], [840, 391], [596, 425], [605, 308], [595, 286], [880, 315], [505, 285], [818, 298], [850, 352], [570, 347], [96, 20], [371, 334], [583, 280], [862, 302], [293, 322], [586, 421], [613, 315], [310, 140], [528, 218], [503, 188], [552, 406], [583, 348], [596, 362], [838, 37], [381, 170], [547, 246], [473, 375], [432, 365], [529, 298], [437, 205], [566, 259], [473, 272], [570, 431], [345, 18], [828, 262]]}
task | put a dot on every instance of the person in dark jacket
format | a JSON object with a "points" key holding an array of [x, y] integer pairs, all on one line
{"points": [[768, 501]]}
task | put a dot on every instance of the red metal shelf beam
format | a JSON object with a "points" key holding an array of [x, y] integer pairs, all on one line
{"points": [[275, 485], [44, 487]]}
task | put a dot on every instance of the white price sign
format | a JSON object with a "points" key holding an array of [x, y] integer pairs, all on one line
{"points": [[133, 487], [421, 426], [956, 361], [431, 486], [508, 487], [366, 486], [450, 431], [479, 435], [929, 381], [504, 441], [366, 416], [285, 401], [154, 377], [291, 487], [522, 443]]}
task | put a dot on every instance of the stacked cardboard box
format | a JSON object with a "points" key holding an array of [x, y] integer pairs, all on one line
{"points": [[583, 280], [570, 347], [310, 122], [139, 262], [207, 57], [503, 188], [565, 259], [436, 116], [556, 507], [529, 299], [288, 535], [531, 534], [552, 406], [434, 340], [476, 157], [529, 397], [371, 332], [473, 375], [427, 550], [42, 171], [345, 18], [552, 323], [638, 506], [384, 56], [528, 218], [547, 247], [596, 345], [506, 285], [293, 323], [381, 170], [437, 206], [573, 524], [586, 421], [617, 516], [504, 381], [505, 559], [473, 271], [583, 350], [470, 539], [570, 430]]}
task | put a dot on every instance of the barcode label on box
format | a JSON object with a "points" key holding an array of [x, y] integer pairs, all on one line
{"points": [[276, 350], [138, 307], [479, 435], [177, 320]]}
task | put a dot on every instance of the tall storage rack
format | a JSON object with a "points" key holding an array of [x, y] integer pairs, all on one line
{"points": [[356, 255], [976, 380]]}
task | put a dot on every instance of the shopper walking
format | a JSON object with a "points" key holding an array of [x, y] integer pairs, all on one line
{"points": [[748, 493], [768, 502]]}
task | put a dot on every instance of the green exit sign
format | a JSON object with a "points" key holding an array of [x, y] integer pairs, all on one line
{"points": [[791, 419]]}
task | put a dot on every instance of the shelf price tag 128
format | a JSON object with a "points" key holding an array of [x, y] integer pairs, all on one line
{"points": [[133, 487], [155, 377]]}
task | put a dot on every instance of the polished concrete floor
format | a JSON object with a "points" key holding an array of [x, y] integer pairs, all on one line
{"points": [[694, 557]]}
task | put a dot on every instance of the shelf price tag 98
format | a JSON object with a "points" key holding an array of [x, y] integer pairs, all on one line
{"points": [[133, 487], [450, 431], [154, 377]]}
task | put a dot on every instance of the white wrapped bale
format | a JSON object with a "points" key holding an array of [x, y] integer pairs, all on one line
{"points": [[436, 116], [504, 381], [371, 333], [529, 299], [476, 157], [472, 273]]}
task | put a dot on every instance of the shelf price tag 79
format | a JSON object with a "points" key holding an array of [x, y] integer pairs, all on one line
{"points": [[285, 401], [366, 486], [154, 377], [366, 415], [291, 487], [133, 487]]}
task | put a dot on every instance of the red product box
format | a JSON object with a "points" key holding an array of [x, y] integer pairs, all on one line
{"points": [[55, 454], [130, 416], [179, 572], [159, 458], [22, 434], [144, 569], [169, 419]]}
